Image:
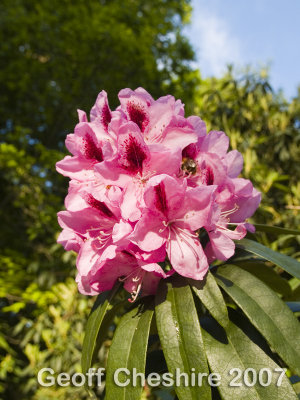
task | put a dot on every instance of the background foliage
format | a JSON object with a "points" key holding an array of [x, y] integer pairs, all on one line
{"points": [[54, 58]]}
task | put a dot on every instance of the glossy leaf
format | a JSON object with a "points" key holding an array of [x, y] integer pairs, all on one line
{"points": [[106, 324], [287, 263], [243, 255], [268, 276], [211, 296], [276, 230], [180, 335], [267, 312], [128, 350], [102, 305], [296, 387], [232, 350]]}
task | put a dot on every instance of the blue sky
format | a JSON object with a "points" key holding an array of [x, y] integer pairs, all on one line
{"points": [[259, 33]]}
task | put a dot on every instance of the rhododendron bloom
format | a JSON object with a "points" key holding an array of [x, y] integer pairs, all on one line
{"points": [[144, 181], [172, 214]]}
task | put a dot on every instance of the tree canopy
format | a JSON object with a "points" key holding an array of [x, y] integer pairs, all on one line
{"points": [[56, 57]]}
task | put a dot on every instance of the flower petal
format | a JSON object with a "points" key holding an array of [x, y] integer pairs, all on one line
{"points": [[135, 104], [157, 163], [187, 256], [197, 208], [234, 161], [76, 168], [149, 233], [165, 194], [222, 246], [132, 199], [133, 151], [215, 142], [100, 112]]}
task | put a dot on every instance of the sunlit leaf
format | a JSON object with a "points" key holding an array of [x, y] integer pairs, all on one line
{"points": [[232, 351], [276, 230], [210, 295], [128, 350], [180, 335], [268, 276], [267, 312], [287, 263], [101, 307]]}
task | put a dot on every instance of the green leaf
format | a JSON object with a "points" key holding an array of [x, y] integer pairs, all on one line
{"points": [[276, 230], [211, 296], [243, 255], [267, 312], [180, 335], [296, 387], [287, 263], [267, 275], [106, 323], [102, 305], [128, 350], [236, 350]]}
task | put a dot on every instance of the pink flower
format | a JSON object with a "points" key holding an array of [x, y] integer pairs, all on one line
{"points": [[144, 180], [172, 215], [126, 268], [161, 121], [101, 114], [101, 228], [221, 245], [90, 145], [135, 162]]}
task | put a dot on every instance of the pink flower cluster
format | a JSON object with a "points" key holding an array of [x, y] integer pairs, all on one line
{"points": [[145, 183]]}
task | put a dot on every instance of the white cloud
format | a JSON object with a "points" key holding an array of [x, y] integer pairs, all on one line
{"points": [[215, 44]]}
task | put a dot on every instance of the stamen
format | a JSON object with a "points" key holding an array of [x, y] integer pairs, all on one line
{"points": [[103, 239], [228, 212], [127, 276], [92, 229], [223, 228], [166, 224], [135, 293], [178, 241], [189, 235], [142, 177], [137, 278]]}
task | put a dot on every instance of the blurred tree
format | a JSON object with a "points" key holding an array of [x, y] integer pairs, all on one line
{"points": [[56, 56], [266, 129]]}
